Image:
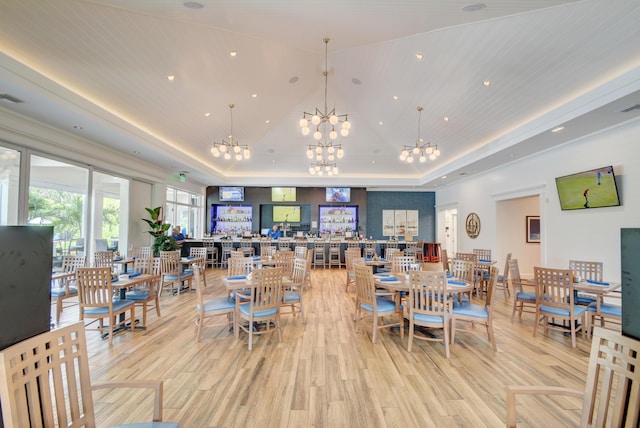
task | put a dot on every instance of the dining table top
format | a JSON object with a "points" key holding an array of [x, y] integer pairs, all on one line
{"points": [[125, 280], [402, 283], [243, 281]]}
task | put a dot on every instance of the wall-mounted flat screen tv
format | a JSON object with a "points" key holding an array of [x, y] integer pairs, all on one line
{"points": [[284, 213], [283, 194], [338, 194], [231, 194], [588, 189]]}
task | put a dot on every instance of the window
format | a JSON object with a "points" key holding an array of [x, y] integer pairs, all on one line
{"points": [[110, 212], [184, 209], [9, 185]]}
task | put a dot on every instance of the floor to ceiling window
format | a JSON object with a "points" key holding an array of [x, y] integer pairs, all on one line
{"points": [[58, 195], [184, 209], [111, 211], [9, 185]]}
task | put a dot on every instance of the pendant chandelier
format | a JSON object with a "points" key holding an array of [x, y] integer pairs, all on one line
{"points": [[323, 167], [230, 148], [420, 150], [325, 122]]}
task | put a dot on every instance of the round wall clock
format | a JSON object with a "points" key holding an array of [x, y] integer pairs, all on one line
{"points": [[472, 225]]}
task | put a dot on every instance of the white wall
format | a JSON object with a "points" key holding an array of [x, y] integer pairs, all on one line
{"points": [[590, 234], [511, 215]]}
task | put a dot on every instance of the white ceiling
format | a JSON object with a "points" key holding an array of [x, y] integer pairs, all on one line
{"points": [[103, 65]]}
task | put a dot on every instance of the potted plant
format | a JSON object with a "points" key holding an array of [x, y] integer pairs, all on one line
{"points": [[161, 241]]}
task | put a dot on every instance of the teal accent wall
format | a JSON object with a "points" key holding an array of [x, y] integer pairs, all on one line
{"points": [[424, 202]]}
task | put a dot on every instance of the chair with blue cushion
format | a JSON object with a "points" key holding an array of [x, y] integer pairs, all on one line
{"points": [[523, 301], [148, 292], [604, 311], [294, 289], [475, 313], [261, 304], [462, 270], [429, 306], [373, 304], [555, 300], [585, 270], [96, 297], [503, 280], [45, 381], [349, 255], [212, 307], [66, 288], [172, 273]]}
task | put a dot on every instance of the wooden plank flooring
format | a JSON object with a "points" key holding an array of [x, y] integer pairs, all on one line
{"points": [[324, 374]]}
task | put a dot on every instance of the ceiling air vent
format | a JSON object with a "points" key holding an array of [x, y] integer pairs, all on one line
{"points": [[628, 109], [9, 99]]}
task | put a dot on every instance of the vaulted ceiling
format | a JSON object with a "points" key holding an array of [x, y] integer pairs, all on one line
{"points": [[103, 66]]}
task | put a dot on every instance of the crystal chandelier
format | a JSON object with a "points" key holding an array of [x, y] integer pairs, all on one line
{"points": [[420, 150], [323, 167], [325, 122], [231, 147]]}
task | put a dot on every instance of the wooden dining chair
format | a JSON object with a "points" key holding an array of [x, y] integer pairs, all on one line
{"points": [[445, 260], [66, 288], [585, 270], [96, 297], [464, 271], [103, 259], [284, 260], [294, 289], [555, 300], [211, 308], [523, 301], [503, 280], [370, 248], [149, 292], [319, 253], [200, 254], [429, 306], [611, 396], [482, 253], [142, 253], [172, 273], [370, 303], [402, 264], [475, 313], [45, 382], [261, 304]]}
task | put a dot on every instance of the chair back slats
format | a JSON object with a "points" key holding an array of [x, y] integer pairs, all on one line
{"points": [[170, 262], [390, 253], [71, 263], [299, 272], [613, 381], [427, 293], [470, 257], [142, 253], [402, 264], [554, 287], [45, 381], [514, 276], [365, 285], [462, 269], [483, 254], [239, 266], [586, 270], [103, 259], [266, 290], [284, 260], [94, 287]]}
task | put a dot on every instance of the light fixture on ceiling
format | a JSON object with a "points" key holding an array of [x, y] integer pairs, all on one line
{"points": [[325, 117], [421, 150], [231, 147], [322, 149], [323, 167]]}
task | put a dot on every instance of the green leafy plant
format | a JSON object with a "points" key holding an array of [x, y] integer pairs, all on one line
{"points": [[161, 241]]}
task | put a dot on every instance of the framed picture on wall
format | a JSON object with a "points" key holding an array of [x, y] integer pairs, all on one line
{"points": [[388, 222], [412, 223], [533, 228], [401, 222]]}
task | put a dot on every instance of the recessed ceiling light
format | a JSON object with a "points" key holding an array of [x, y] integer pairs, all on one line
{"points": [[380, 123], [273, 161], [193, 5], [254, 95], [446, 119], [294, 79], [487, 83], [557, 129], [233, 53], [444, 176], [419, 56], [373, 162], [395, 97], [267, 121], [207, 114], [171, 78], [474, 7]]}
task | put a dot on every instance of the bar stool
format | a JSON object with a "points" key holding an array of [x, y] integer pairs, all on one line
{"points": [[334, 253], [318, 253], [247, 247], [212, 252], [369, 248], [227, 248]]}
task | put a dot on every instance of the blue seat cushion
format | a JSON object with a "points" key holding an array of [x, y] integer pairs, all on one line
{"points": [[137, 295], [217, 304], [606, 309], [431, 319], [470, 310], [585, 299], [529, 296], [291, 296], [184, 275], [260, 313], [118, 305], [577, 310], [384, 306], [62, 292]]}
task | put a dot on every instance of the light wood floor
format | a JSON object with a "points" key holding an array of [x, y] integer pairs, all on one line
{"points": [[324, 374]]}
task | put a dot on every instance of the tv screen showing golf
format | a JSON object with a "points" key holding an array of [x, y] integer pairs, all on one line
{"points": [[283, 194], [288, 214], [588, 189]]}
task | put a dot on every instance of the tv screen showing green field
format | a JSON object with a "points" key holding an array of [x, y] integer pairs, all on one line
{"points": [[283, 213], [589, 189]]}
